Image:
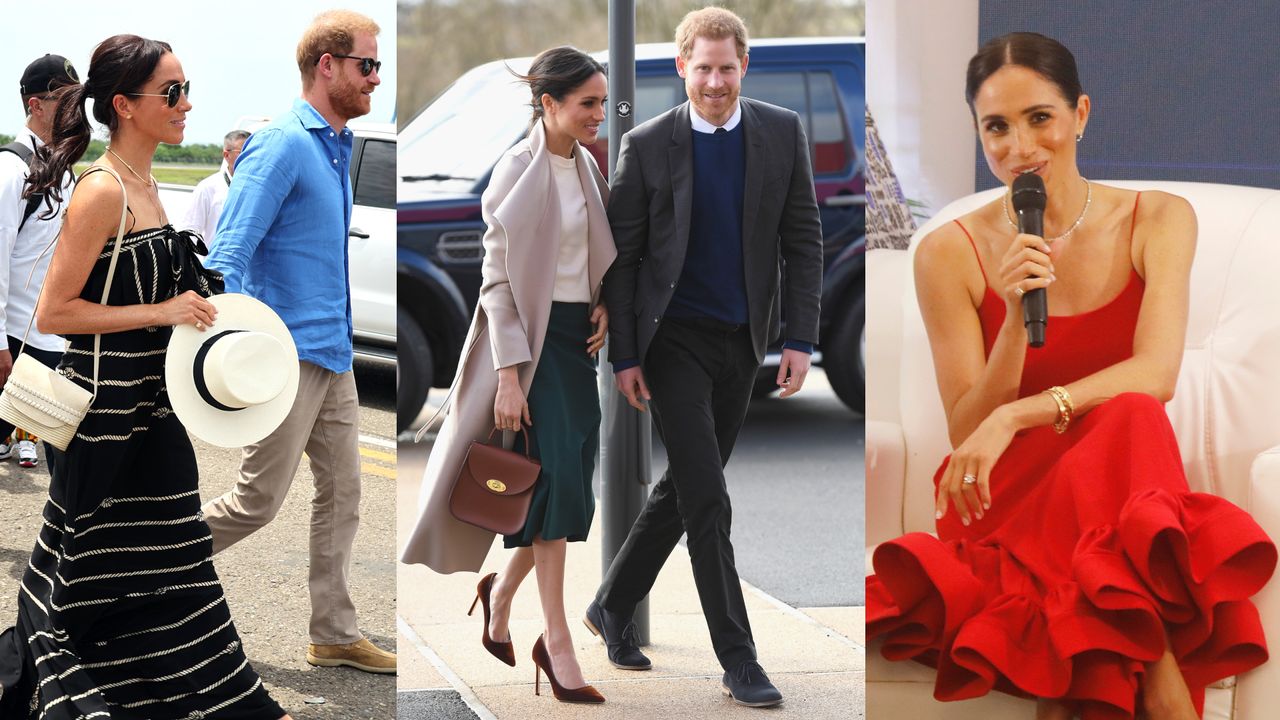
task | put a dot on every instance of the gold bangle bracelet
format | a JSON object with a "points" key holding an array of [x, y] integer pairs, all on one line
{"points": [[1066, 398], [1062, 399]]}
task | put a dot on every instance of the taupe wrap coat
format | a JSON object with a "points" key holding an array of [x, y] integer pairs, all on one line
{"points": [[522, 211]]}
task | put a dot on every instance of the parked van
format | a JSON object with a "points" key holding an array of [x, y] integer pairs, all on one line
{"points": [[448, 152]]}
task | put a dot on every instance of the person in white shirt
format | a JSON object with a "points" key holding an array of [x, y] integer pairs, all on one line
{"points": [[211, 192], [28, 228]]}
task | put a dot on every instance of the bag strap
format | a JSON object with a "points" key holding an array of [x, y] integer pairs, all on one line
{"points": [[18, 149], [33, 203], [111, 270], [523, 429]]}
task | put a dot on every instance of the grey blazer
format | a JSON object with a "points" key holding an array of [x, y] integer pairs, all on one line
{"points": [[650, 207]]}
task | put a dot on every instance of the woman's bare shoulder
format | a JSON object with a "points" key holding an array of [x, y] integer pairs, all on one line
{"points": [[1158, 204], [1165, 215], [95, 205], [952, 242], [98, 189]]}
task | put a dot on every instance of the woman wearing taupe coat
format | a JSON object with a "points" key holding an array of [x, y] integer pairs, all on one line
{"points": [[529, 360]]}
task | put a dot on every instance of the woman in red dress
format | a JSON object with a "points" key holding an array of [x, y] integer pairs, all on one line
{"points": [[1072, 562]]}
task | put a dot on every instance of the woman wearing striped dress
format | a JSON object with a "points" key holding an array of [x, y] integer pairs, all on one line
{"points": [[121, 614]]}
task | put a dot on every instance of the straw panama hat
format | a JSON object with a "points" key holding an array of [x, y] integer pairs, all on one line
{"points": [[233, 383]]}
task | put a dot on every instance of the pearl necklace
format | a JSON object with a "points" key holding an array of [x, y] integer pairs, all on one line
{"points": [[1088, 198]]}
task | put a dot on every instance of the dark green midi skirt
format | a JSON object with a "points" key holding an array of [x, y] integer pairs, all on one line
{"points": [[564, 404]]}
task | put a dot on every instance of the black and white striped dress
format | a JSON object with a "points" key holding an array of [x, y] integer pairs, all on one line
{"points": [[121, 614]]}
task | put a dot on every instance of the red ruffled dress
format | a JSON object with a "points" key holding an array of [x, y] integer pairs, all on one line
{"points": [[1093, 547]]}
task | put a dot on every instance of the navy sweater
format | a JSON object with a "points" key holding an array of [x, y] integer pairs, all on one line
{"points": [[712, 284]]}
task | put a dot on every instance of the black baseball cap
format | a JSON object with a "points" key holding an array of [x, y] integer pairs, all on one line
{"points": [[46, 74]]}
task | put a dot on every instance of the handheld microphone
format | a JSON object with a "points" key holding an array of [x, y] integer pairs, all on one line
{"points": [[1028, 202]]}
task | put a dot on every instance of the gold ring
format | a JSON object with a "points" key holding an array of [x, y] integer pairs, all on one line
{"points": [[199, 325], [1017, 290]]}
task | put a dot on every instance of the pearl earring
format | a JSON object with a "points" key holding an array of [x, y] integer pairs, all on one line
{"points": [[1080, 137]]}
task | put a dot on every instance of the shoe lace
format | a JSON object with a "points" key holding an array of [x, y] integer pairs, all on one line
{"points": [[743, 672]]}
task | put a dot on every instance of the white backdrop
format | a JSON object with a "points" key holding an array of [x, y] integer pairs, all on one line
{"points": [[917, 51]]}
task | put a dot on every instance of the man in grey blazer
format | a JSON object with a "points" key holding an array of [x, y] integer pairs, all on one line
{"points": [[707, 201]]}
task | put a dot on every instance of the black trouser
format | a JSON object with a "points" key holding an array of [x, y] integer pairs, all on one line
{"points": [[50, 358], [699, 374]]}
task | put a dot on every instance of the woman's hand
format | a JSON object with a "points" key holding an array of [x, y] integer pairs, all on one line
{"points": [[974, 458], [510, 407], [1026, 266], [189, 308], [600, 319]]}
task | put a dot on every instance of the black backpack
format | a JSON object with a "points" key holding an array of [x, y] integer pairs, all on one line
{"points": [[33, 202]]}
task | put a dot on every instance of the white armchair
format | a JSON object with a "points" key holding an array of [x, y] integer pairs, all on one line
{"points": [[1225, 413]]}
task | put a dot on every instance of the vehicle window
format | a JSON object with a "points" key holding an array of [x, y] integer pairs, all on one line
{"points": [[779, 88], [832, 146], [656, 95], [375, 181], [458, 138]]}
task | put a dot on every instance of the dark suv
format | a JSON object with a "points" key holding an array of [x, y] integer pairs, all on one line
{"points": [[447, 153]]}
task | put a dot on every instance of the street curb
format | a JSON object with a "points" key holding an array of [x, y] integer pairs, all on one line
{"points": [[467, 694], [800, 615]]}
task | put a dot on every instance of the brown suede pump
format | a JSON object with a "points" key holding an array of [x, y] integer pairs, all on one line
{"points": [[504, 651], [542, 661]]}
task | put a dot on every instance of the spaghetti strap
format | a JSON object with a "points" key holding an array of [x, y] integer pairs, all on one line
{"points": [[1133, 221], [974, 245]]}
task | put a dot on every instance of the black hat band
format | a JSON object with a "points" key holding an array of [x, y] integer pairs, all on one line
{"points": [[197, 371]]}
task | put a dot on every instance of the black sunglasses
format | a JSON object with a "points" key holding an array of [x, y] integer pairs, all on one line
{"points": [[367, 64], [171, 95]]}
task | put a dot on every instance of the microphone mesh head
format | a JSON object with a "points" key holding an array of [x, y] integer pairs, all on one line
{"points": [[1028, 192]]}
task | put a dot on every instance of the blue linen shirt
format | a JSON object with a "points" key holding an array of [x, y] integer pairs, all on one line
{"points": [[282, 237]]}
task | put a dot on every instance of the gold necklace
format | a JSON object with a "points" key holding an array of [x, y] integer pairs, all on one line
{"points": [[145, 181], [149, 183]]}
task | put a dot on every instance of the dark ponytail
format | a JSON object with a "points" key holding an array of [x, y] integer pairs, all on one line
{"points": [[557, 72], [121, 64]]}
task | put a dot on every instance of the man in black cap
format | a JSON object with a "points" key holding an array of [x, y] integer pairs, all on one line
{"points": [[27, 227]]}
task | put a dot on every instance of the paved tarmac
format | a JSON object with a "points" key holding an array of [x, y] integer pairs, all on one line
{"points": [[797, 502], [797, 479], [265, 575]]}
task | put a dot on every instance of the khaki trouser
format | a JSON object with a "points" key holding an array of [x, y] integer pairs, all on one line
{"points": [[324, 423]]}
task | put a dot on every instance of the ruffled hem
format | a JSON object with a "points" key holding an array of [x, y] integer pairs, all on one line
{"points": [[1184, 564]]}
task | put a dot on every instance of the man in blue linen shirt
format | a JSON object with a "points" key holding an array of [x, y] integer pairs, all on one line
{"points": [[282, 238]]}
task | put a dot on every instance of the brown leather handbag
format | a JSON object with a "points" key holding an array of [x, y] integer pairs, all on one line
{"points": [[495, 486]]}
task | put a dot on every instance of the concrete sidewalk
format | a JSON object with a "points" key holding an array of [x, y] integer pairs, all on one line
{"points": [[814, 655]]}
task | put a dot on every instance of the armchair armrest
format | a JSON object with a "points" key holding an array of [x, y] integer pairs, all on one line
{"points": [[886, 480], [1258, 691]]}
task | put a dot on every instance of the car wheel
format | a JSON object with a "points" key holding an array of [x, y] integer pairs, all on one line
{"points": [[414, 369], [843, 358]]}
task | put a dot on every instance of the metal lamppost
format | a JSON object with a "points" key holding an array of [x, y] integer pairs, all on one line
{"points": [[627, 443]]}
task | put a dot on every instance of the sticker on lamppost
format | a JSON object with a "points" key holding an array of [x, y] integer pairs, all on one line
{"points": [[624, 109]]}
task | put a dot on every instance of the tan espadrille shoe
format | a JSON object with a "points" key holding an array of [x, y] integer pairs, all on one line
{"points": [[361, 655]]}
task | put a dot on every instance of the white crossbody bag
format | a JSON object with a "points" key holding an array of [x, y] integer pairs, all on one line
{"points": [[39, 399]]}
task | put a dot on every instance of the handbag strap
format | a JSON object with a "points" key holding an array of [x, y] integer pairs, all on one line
{"points": [[523, 429], [111, 270]]}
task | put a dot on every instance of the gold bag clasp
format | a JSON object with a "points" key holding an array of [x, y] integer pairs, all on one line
{"points": [[496, 485]]}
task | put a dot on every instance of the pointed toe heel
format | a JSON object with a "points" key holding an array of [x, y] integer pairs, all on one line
{"points": [[504, 651], [542, 664]]}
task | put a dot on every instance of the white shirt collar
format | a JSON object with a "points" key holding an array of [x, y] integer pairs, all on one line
{"points": [[702, 126], [28, 137]]}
